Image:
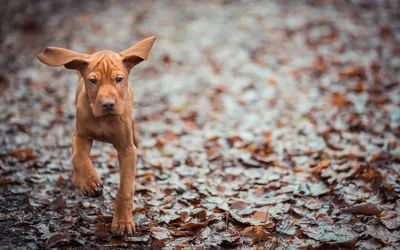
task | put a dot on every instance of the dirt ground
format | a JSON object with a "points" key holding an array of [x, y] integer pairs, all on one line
{"points": [[263, 125]]}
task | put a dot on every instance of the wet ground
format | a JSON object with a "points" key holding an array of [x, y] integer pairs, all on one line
{"points": [[265, 124]]}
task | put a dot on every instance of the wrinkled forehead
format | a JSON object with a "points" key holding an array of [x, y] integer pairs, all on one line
{"points": [[106, 62]]}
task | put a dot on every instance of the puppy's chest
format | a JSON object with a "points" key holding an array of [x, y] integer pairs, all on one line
{"points": [[103, 131]]}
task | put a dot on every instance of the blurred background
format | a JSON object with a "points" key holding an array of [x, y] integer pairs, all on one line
{"points": [[239, 100]]}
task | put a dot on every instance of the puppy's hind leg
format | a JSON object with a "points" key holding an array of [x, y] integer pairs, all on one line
{"points": [[85, 177], [136, 139]]}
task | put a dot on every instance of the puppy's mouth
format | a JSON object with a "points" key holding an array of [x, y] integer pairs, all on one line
{"points": [[109, 115]]}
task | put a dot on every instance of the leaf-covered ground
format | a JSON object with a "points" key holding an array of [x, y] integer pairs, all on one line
{"points": [[265, 124]]}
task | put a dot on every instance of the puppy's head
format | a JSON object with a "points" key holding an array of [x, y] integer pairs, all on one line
{"points": [[105, 73]]}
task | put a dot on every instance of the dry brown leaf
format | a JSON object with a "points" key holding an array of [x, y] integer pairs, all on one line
{"points": [[339, 100], [321, 166], [365, 208], [257, 233], [22, 153]]}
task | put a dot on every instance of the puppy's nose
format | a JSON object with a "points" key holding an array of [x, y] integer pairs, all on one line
{"points": [[108, 104]]}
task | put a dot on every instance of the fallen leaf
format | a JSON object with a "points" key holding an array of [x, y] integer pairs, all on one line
{"points": [[391, 220], [382, 234], [101, 232], [339, 100], [256, 233], [364, 208], [352, 72], [59, 180], [321, 166], [252, 221], [59, 202], [160, 233], [328, 232], [194, 225], [6, 181], [62, 238], [22, 153]]}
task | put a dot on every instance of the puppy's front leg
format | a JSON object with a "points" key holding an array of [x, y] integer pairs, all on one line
{"points": [[85, 177], [124, 200]]}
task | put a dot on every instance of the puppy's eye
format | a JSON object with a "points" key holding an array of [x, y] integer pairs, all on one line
{"points": [[92, 80], [119, 79]]}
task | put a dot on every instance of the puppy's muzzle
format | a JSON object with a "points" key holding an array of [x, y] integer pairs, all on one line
{"points": [[108, 105]]}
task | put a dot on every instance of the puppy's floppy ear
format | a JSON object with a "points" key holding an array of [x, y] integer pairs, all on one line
{"points": [[54, 56], [138, 52]]}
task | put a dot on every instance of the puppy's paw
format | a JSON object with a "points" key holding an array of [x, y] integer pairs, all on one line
{"points": [[123, 227], [123, 222], [90, 183]]}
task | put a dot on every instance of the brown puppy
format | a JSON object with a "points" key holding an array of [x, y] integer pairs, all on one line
{"points": [[104, 102]]}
